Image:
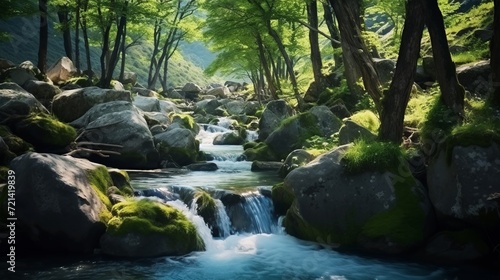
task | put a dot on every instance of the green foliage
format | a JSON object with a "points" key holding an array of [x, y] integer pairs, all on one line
{"points": [[185, 120], [418, 108], [366, 156], [316, 145], [366, 119], [439, 122]]}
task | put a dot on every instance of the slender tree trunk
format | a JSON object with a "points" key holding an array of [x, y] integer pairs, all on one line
{"points": [[113, 59], [289, 65], [123, 53], [153, 64], [77, 36], [495, 56], [396, 98], [265, 67], [86, 38], [332, 28], [354, 48], [62, 14], [312, 16], [44, 36], [452, 93]]}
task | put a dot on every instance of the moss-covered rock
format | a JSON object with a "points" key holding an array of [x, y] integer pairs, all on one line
{"points": [[207, 209], [177, 146], [147, 228], [229, 138], [45, 132], [185, 121], [16, 145], [260, 152], [366, 119], [282, 198], [121, 180]]}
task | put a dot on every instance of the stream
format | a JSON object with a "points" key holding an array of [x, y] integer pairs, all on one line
{"points": [[251, 243]]}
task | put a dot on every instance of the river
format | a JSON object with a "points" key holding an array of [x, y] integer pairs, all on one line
{"points": [[260, 249]]}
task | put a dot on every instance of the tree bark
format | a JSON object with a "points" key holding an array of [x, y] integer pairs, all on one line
{"points": [[44, 36], [77, 35], [86, 39], [312, 16], [123, 51], [265, 66], [396, 98], [452, 93], [354, 48], [113, 59], [62, 14], [495, 56], [334, 33]]}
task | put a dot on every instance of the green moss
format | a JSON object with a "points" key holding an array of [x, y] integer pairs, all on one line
{"points": [[249, 145], [121, 180], [260, 152], [185, 120], [150, 217], [417, 109], [282, 198], [16, 145], [43, 130], [366, 156], [100, 180], [367, 119], [439, 122], [403, 223], [205, 205]]}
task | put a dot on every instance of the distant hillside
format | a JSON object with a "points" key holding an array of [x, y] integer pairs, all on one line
{"points": [[185, 66]]}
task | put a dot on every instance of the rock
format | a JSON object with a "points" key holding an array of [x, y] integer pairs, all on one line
{"points": [[233, 86], [121, 181], [5, 155], [167, 107], [475, 77], [352, 131], [282, 199], [6, 64], [15, 144], [117, 85], [128, 129], [72, 104], [62, 70], [18, 76], [157, 129], [229, 138], [61, 205], [265, 166], [144, 92], [341, 111], [207, 209], [380, 212], [147, 228], [293, 132], [385, 69], [177, 145], [147, 104], [202, 166], [219, 92], [273, 114], [456, 247], [45, 132], [460, 180], [129, 78], [207, 106], [295, 159], [102, 109], [185, 121], [192, 87], [156, 118], [483, 35], [173, 94], [30, 67], [429, 67], [14, 100], [43, 91]]}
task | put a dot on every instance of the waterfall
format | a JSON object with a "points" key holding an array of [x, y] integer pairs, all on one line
{"points": [[223, 221], [260, 209]]}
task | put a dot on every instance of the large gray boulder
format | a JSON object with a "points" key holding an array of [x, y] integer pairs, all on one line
{"points": [[18, 76], [14, 100], [129, 78], [102, 109], [178, 145], [72, 104], [352, 131], [475, 77], [58, 207], [229, 138], [62, 70], [147, 104], [385, 69], [461, 179], [220, 92], [130, 130], [207, 106], [273, 114], [43, 91], [382, 212]]}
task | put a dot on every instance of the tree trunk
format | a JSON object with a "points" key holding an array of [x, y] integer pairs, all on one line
{"points": [[86, 39], [452, 93], [265, 67], [44, 36], [77, 36], [334, 33], [113, 59], [312, 16], [104, 51], [123, 52], [152, 77], [396, 98], [495, 56], [289, 65], [62, 14], [354, 48]]}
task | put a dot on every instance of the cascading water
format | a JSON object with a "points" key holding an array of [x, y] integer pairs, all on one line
{"points": [[223, 221], [259, 209]]}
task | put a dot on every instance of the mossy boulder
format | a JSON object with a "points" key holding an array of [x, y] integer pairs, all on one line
{"points": [[207, 209], [294, 131], [282, 198], [351, 131], [45, 132], [259, 151], [384, 212], [146, 228], [295, 160], [121, 181], [15, 101], [185, 121], [366, 119], [62, 205], [177, 145], [16, 145], [275, 112], [229, 138]]}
